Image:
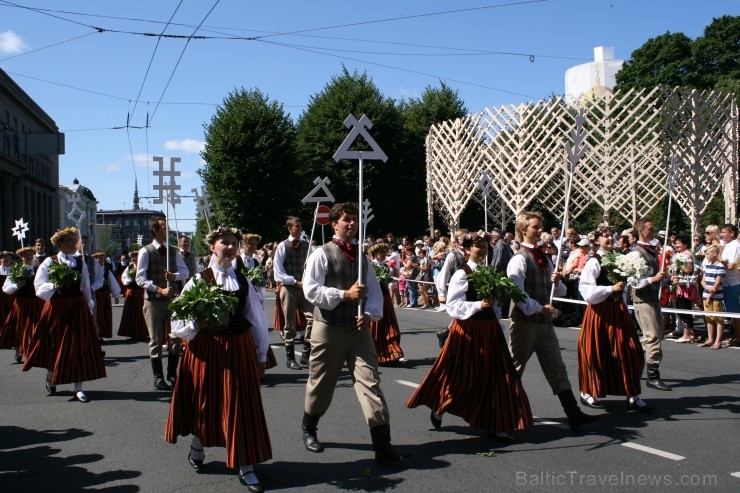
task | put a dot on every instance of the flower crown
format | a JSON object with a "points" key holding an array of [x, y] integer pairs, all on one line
{"points": [[25, 251], [252, 237], [98, 255], [377, 247], [221, 231], [477, 236], [63, 233]]}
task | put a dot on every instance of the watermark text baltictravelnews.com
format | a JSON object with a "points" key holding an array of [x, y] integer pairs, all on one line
{"points": [[576, 478]]}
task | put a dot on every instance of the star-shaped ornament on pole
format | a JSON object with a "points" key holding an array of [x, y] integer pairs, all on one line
{"points": [[19, 230]]}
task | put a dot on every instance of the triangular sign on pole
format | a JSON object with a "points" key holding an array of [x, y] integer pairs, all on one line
{"points": [[357, 128], [321, 186]]}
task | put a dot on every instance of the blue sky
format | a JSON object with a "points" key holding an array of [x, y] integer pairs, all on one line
{"points": [[89, 81]]}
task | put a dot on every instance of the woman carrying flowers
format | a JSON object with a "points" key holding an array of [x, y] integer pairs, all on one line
{"points": [[610, 357], [474, 376], [217, 394], [26, 308], [65, 340], [385, 332]]}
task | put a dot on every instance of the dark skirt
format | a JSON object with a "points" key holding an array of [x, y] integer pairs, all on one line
{"points": [[610, 357], [65, 342], [386, 334], [133, 323], [104, 312], [17, 330], [6, 304], [474, 378], [279, 318], [271, 360], [217, 398]]}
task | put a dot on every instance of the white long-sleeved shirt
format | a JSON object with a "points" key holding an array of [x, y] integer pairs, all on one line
{"points": [[250, 263], [517, 272], [457, 306], [4, 271], [253, 311], [98, 275], [45, 289], [10, 287], [590, 291], [278, 265], [445, 274], [328, 298], [113, 285], [126, 277], [143, 264]]}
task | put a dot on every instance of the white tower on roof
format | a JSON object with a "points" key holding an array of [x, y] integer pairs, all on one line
{"points": [[593, 79]]}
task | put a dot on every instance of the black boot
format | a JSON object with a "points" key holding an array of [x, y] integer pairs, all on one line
{"points": [[158, 374], [172, 361], [305, 353], [290, 356], [310, 441], [576, 417], [442, 336], [653, 378], [384, 451]]}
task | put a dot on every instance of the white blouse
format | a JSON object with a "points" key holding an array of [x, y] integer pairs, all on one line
{"points": [[45, 289], [590, 291], [457, 306]]}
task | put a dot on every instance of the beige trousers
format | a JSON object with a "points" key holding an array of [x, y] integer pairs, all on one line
{"points": [[649, 317], [157, 321], [527, 337], [292, 298]]}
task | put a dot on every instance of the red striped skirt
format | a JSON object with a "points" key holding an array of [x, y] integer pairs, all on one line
{"points": [[217, 398], [610, 358], [278, 321], [65, 342], [104, 312], [386, 334], [133, 323], [474, 378], [6, 304], [18, 327]]}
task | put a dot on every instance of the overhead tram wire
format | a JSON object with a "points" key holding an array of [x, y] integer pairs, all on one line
{"points": [[49, 46]]}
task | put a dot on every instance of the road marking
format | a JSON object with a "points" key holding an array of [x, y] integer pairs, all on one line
{"points": [[556, 424], [408, 384], [736, 474], [654, 451]]}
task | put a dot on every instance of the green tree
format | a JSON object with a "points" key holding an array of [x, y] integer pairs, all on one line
{"points": [[250, 156], [665, 59], [716, 54], [321, 130], [199, 246]]}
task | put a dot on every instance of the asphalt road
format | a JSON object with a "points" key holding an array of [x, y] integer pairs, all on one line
{"points": [[115, 443]]}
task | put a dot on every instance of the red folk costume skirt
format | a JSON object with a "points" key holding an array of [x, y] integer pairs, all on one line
{"points": [[610, 358], [65, 342], [104, 312], [18, 327], [217, 398], [279, 318], [386, 334], [474, 378], [133, 323], [6, 304]]}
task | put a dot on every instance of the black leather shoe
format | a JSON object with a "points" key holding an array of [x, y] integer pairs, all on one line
{"points": [[159, 384], [196, 463], [51, 389], [254, 487], [436, 422], [171, 381], [293, 365], [82, 397], [390, 456], [18, 357], [657, 384], [639, 405], [311, 442], [591, 402]]}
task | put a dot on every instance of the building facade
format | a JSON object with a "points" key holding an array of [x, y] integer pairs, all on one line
{"points": [[124, 226], [30, 144], [87, 206]]}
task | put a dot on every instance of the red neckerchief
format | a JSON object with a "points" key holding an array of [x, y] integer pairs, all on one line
{"points": [[296, 244], [349, 250], [539, 256]]}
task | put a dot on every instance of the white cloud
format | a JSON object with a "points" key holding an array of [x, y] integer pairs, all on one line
{"points": [[111, 168], [11, 43], [143, 159], [186, 145]]}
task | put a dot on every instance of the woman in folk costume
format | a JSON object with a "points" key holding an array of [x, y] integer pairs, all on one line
{"points": [[104, 312], [474, 376], [65, 341], [18, 327], [6, 300], [132, 324], [610, 357], [385, 332], [217, 394]]}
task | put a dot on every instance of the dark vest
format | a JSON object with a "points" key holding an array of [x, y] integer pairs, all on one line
{"points": [[72, 291], [155, 269], [537, 285], [28, 290], [472, 295], [189, 263], [295, 260], [650, 292], [341, 274], [238, 324], [603, 278]]}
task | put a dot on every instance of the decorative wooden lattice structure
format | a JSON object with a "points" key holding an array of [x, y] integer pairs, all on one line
{"points": [[630, 138]]}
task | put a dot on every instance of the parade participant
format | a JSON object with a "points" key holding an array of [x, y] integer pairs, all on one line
{"points": [[217, 394], [155, 276], [6, 300], [288, 265], [473, 377], [385, 332], [17, 330], [188, 257], [731, 281], [341, 336], [610, 358], [531, 329], [454, 260], [646, 302], [40, 248], [132, 324], [110, 287], [64, 340]]}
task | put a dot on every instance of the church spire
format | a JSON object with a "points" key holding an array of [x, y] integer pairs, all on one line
{"points": [[136, 194]]}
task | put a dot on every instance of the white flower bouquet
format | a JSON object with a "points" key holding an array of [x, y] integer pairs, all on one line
{"points": [[630, 267]]}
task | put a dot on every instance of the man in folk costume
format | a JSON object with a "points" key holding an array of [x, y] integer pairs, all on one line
{"points": [[531, 329], [154, 275], [342, 336], [289, 263], [187, 256], [646, 300], [40, 247]]}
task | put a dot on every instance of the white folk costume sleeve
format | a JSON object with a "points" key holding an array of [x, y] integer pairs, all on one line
{"points": [[278, 267], [85, 287], [115, 289], [98, 276], [457, 306], [180, 328], [255, 314], [373, 303], [9, 287], [313, 283], [142, 264], [44, 288], [126, 278], [590, 291]]}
